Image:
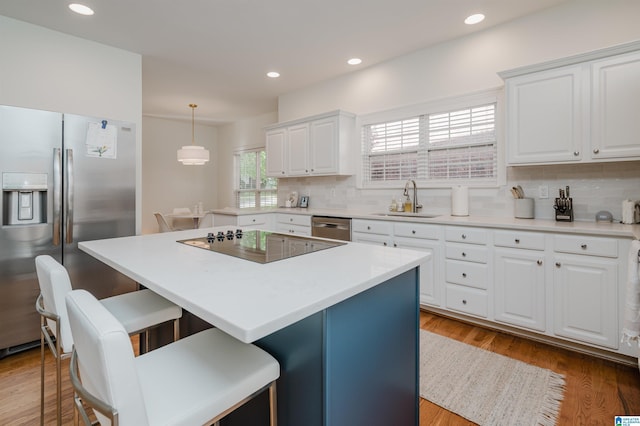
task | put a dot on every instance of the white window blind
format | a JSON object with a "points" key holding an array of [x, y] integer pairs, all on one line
{"points": [[443, 146], [253, 188]]}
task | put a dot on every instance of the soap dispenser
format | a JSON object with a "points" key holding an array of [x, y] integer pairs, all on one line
{"points": [[408, 205]]}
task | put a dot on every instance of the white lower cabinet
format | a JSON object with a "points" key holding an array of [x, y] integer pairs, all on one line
{"points": [[250, 221], [415, 236], [586, 299], [520, 288], [293, 224], [467, 275]]}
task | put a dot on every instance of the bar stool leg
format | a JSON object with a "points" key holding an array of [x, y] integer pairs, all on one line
{"points": [[42, 343]]}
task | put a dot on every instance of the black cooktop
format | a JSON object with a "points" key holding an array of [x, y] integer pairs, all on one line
{"points": [[259, 246]]}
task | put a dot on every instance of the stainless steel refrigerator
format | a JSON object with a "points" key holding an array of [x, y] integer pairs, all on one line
{"points": [[65, 179]]}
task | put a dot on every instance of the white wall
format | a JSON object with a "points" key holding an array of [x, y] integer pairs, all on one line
{"points": [[44, 69], [243, 134], [468, 65], [167, 184]]}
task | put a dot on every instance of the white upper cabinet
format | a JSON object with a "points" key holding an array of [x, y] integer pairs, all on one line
{"points": [[577, 109], [314, 146], [544, 117], [276, 154], [615, 114]]}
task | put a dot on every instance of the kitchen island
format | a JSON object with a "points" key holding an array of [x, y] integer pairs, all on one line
{"points": [[342, 322]]}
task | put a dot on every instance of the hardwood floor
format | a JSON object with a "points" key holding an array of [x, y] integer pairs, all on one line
{"points": [[596, 390]]}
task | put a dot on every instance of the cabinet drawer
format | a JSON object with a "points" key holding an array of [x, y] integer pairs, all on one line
{"points": [[467, 235], [372, 227], [467, 252], [466, 273], [417, 230], [293, 229], [294, 219], [467, 300], [252, 219], [519, 239], [593, 246]]}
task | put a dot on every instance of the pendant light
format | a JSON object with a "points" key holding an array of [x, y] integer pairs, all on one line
{"points": [[193, 154]]}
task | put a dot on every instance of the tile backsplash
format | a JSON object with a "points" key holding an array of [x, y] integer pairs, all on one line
{"points": [[594, 187]]}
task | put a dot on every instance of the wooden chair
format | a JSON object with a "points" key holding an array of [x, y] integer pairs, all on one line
{"points": [[138, 311], [196, 380]]}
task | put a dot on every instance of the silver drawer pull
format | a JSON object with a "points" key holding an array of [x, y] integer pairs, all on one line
{"points": [[583, 246], [464, 275], [539, 262], [413, 231], [368, 228], [517, 241], [464, 254], [464, 301], [384, 244], [464, 236], [576, 153], [558, 264], [596, 150]]}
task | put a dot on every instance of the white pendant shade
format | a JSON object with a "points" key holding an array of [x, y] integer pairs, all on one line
{"points": [[193, 155]]}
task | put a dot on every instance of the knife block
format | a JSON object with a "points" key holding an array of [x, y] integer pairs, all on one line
{"points": [[564, 209]]}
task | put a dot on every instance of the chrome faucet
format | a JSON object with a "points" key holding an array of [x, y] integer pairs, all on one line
{"points": [[414, 202]]}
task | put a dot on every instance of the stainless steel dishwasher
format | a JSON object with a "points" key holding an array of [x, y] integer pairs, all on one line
{"points": [[337, 228]]}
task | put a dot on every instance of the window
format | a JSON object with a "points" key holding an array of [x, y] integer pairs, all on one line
{"points": [[253, 187], [452, 145]]}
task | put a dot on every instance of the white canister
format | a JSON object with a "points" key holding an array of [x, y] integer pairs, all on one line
{"points": [[524, 208], [630, 211]]}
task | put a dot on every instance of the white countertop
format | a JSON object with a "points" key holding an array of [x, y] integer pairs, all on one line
{"points": [[543, 225], [249, 300]]}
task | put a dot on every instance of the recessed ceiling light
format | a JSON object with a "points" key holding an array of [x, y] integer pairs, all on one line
{"points": [[81, 9], [354, 61], [474, 19], [273, 74]]}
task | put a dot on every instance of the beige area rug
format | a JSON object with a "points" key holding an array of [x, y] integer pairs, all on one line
{"points": [[487, 388]]}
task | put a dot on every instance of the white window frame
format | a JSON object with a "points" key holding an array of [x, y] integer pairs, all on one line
{"points": [[259, 193], [434, 107]]}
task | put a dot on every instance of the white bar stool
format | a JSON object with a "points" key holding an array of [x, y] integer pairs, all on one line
{"points": [[194, 381], [137, 311]]}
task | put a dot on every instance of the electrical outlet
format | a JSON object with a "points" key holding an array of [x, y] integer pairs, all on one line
{"points": [[543, 191]]}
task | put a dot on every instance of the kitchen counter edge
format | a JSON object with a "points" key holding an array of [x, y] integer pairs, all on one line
{"points": [[544, 225]]}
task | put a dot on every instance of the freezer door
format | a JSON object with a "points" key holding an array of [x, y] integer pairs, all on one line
{"points": [[99, 197], [28, 139]]}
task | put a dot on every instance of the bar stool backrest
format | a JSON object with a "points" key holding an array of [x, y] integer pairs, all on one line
{"points": [[105, 358], [54, 282]]}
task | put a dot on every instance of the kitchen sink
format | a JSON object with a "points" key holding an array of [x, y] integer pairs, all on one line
{"points": [[407, 214]]}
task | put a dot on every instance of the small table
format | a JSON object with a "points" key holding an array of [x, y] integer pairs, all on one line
{"points": [[196, 217]]}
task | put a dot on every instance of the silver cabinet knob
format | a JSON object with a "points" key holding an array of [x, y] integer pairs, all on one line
{"points": [[596, 150], [464, 236], [384, 244], [539, 262], [395, 244], [368, 228], [583, 246], [464, 275], [517, 241], [464, 301], [290, 219], [413, 231], [558, 264], [464, 254], [576, 153]]}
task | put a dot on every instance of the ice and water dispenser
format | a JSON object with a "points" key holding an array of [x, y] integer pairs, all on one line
{"points": [[24, 198]]}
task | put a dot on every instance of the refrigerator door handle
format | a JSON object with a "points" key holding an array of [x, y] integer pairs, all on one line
{"points": [[69, 200], [57, 195]]}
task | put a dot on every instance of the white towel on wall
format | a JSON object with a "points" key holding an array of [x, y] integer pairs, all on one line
{"points": [[631, 329]]}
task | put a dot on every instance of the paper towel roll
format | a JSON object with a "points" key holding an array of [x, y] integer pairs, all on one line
{"points": [[460, 201]]}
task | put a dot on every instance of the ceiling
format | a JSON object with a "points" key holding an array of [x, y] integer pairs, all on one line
{"points": [[216, 53]]}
